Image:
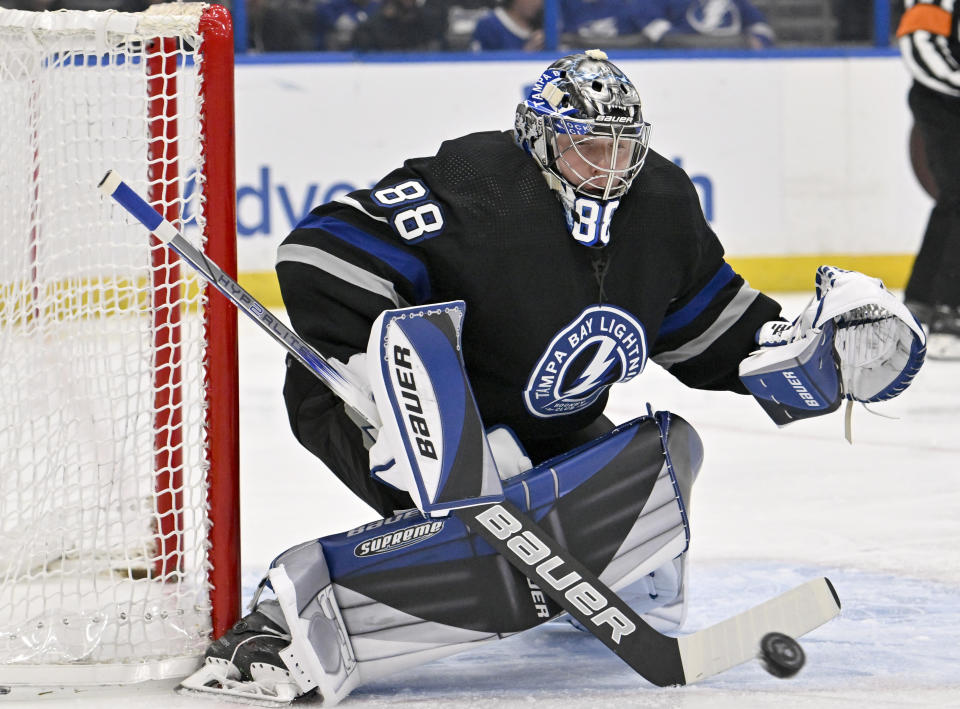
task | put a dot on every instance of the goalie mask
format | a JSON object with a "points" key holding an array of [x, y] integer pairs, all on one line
{"points": [[581, 123]]}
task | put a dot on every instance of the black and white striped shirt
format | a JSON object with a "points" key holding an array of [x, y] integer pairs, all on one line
{"points": [[928, 36]]}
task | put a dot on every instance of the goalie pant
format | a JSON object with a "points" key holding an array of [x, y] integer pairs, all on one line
{"points": [[406, 590]]}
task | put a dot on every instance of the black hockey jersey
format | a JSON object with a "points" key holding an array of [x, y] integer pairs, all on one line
{"points": [[550, 323]]}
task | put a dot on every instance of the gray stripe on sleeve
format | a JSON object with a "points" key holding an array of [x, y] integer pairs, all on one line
{"points": [[341, 269], [351, 202], [733, 312]]}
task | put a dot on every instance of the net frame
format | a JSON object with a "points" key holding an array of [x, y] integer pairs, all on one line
{"points": [[160, 30]]}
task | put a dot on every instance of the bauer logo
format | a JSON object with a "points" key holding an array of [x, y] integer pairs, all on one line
{"points": [[602, 346], [411, 382], [552, 571], [802, 392], [398, 540]]}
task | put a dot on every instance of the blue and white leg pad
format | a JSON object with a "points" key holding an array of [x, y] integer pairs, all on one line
{"points": [[409, 589], [320, 655]]}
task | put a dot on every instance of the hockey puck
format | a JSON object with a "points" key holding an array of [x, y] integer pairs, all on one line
{"points": [[781, 655]]}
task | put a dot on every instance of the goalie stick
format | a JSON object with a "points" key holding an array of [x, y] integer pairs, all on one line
{"points": [[659, 658]]}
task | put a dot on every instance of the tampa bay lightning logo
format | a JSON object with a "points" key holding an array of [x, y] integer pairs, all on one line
{"points": [[602, 346], [720, 18]]}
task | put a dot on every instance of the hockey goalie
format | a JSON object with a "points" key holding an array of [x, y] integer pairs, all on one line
{"points": [[488, 297]]}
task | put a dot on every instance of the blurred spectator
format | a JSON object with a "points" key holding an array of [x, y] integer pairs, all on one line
{"points": [[611, 23], [283, 25], [403, 25], [305, 25], [854, 20], [715, 23], [516, 24], [337, 20]]}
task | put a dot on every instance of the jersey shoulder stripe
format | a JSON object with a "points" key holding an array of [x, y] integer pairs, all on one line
{"points": [[402, 262], [685, 315], [350, 201], [339, 268], [728, 317]]}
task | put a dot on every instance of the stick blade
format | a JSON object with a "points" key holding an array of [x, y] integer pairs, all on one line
{"points": [[737, 640]]}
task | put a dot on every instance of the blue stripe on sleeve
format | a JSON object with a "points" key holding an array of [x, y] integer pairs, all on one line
{"points": [[701, 300], [400, 261]]}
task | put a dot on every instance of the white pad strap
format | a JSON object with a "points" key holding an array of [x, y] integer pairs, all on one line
{"points": [[508, 453]]}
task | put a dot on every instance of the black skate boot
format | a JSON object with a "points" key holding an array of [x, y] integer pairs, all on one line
{"points": [[922, 311], [943, 341], [245, 662]]}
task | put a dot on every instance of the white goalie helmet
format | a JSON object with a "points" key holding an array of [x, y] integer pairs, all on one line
{"points": [[581, 122]]}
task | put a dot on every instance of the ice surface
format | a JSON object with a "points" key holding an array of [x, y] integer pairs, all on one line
{"points": [[771, 509]]}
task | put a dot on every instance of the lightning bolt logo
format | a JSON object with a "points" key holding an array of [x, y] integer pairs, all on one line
{"points": [[595, 373], [609, 339]]}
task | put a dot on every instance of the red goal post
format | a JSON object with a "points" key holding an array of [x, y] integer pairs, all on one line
{"points": [[119, 504]]}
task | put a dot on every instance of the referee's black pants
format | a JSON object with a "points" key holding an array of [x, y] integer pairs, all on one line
{"points": [[935, 279]]}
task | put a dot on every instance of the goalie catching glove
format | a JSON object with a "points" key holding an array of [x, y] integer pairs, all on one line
{"points": [[854, 341]]}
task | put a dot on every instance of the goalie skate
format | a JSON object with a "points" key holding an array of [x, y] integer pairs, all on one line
{"points": [[944, 340], [245, 666], [269, 686]]}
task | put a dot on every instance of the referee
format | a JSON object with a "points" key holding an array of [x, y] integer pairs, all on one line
{"points": [[928, 37]]}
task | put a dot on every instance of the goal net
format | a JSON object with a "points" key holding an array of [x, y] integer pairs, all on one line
{"points": [[118, 410]]}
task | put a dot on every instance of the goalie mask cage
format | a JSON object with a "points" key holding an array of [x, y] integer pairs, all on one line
{"points": [[119, 508]]}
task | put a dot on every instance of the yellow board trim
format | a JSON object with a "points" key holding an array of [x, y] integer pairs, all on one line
{"points": [[780, 274], [23, 302], [773, 274], [263, 286]]}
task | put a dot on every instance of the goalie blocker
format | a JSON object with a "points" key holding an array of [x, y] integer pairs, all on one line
{"points": [[408, 589], [432, 442]]}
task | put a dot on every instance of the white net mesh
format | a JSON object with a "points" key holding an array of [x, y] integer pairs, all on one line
{"points": [[102, 425]]}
